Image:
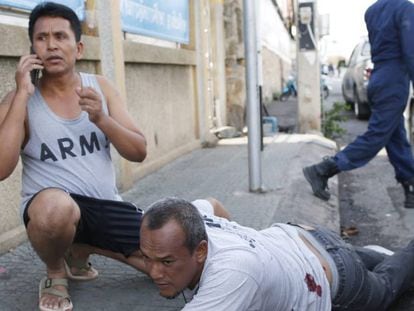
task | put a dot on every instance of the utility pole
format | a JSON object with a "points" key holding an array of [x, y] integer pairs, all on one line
{"points": [[253, 108], [108, 15], [308, 78], [259, 61]]}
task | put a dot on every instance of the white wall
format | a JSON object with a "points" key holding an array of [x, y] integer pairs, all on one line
{"points": [[273, 33]]}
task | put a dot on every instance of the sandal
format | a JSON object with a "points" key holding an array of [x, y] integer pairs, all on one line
{"points": [[86, 271], [46, 287]]}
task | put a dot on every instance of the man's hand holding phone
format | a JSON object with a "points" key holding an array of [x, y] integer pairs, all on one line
{"points": [[26, 65]]}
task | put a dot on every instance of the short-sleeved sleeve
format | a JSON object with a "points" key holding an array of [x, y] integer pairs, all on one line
{"points": [[204, 207]]}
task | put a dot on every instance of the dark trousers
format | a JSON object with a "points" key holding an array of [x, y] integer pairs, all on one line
{"points": [[367, 280], [386, 127]]}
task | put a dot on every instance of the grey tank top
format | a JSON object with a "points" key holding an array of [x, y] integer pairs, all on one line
{"points": [[71, 154]]}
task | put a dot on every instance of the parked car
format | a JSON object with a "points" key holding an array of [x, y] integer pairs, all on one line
{"points": [[355, 79]]}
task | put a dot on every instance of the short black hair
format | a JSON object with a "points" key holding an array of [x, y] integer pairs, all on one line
{"points": [[184, 213], [53, 9]]}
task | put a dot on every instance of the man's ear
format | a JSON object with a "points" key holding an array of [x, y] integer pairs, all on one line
{"points": [[79, 46], [201, 251]]}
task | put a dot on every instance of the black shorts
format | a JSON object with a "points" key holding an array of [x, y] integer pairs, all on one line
{"points": [[105, 224]]}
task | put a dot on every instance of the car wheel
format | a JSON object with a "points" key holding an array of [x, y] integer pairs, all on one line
{"points": [[361, 109], [347, 100]]}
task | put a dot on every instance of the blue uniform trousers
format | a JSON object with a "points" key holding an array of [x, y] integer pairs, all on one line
{"points": [[385, 128]]}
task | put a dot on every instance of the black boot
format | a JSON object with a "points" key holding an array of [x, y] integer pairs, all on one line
{"points": [[408, 186], [317, 175]]}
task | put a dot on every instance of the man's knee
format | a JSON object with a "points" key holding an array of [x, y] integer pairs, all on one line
{"points": [[52, 210]]}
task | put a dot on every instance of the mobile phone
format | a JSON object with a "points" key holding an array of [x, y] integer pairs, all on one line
{"points": [[35, 73]]}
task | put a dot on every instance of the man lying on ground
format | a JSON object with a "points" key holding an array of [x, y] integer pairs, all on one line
{"points": [[217, 264]]}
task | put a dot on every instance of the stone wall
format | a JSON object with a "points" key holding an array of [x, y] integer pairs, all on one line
{"points": [[234, 61], [276, 64], [275, 73]]}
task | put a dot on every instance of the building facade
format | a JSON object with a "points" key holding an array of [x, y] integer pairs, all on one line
{"points": [[177, 92]]}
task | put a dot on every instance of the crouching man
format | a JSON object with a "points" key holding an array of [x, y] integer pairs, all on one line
{"points": [[63, 124]]}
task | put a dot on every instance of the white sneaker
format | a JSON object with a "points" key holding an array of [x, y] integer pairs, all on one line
{"points": [[380, 249]]}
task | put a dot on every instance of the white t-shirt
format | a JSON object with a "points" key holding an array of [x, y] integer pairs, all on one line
{"points": [[266, 270]]}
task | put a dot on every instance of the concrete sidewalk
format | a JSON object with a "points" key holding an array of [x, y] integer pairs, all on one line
{"points": [[221, 172]]}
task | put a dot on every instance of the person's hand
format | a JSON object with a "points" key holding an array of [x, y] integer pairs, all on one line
{"points": [[26, 64], [90, 101]]}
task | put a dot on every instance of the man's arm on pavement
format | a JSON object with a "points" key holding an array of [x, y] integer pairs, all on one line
{"points": [[119, 127], [211, 206], [12, 131], [218, 208]]}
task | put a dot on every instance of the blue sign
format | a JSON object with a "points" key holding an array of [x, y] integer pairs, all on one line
{"points": [[164, 19], [27, 5]]}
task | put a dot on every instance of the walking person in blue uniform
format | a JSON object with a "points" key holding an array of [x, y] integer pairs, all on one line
{"points": [[390, 25]]}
